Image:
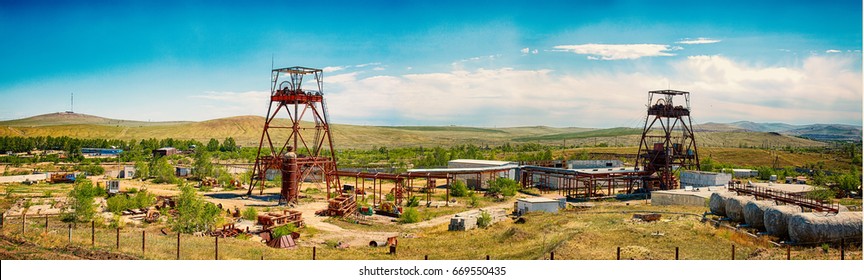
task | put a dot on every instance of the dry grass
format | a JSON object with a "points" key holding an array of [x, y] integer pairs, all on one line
{"points": [[588, 235]]}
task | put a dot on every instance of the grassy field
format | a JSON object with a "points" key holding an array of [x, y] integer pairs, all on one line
{"points": [[590, 235]]}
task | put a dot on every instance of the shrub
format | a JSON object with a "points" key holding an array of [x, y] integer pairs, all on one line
{"points": [[389, 197], [81, 198], [282, 230], [504, 186], [193, 213], [142, 199], [250, 214], [117, 204], [410, 216], [821, 194], [413, 202], [458, 188], [484, 220], [473, 200]]}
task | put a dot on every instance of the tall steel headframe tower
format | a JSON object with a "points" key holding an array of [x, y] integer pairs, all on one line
{"points": [[668, 143], [300, 148]]}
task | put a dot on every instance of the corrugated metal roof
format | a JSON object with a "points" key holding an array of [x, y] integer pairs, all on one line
{"points": [[480, 161], [464, 169]]}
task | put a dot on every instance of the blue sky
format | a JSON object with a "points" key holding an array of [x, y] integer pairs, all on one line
{"points": [[475, 63]]}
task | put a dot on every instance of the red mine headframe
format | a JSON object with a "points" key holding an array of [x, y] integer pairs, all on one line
{"points": [[300, 148], [671, 146]]}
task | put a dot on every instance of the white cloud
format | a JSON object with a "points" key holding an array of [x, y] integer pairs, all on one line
{"points": [[823, 89], [526, 50], [230, 103], [833, 51], [333, 68], [700, 40], [616, 52], [367, 64]]}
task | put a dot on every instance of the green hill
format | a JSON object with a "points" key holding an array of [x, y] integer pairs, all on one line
{"points": [[246, 131]]}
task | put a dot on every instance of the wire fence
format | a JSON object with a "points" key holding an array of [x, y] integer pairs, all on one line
{"points": [[151, 243]]}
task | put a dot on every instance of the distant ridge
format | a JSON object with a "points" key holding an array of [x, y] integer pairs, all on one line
{"points": [[246, 130], [67, 118]]}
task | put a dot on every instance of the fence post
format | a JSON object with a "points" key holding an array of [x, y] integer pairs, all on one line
{"points": [[46, 223], [23, 221], [788, 252], [487, 257], [70, 234], [618, 254], [733, 252], [143, 241], [676, 253], [552, 255], [313, 252], [178, 245], [842, 249], [93, 233], [217, 248], [118, 238], [426, 257]]}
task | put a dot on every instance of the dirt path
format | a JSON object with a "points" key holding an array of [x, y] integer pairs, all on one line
{"points": [[446, 218]]}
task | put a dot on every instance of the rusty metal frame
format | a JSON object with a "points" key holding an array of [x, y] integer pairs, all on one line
{"points": [[675, 151], [287, 95]]}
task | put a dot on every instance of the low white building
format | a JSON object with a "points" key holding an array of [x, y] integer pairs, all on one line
{"points": [[474, 163], [701, 179], [531, 204], [745, 173]]}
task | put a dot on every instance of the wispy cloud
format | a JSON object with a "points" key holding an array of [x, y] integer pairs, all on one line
{"points": [[833, 51], [723, 89], [333, 68], [618, 51], [528, 51], [700, 40]]}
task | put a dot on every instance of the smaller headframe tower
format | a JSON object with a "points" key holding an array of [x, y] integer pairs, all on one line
{"points": [[300, 149], [668, 143]]}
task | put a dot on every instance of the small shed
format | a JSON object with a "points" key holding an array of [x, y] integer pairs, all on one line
{"points": [[166, 151], [525, 205], [182, 171], [127, 172]]}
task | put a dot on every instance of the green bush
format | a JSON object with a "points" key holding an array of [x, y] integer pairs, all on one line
{"points": [[91, 169], [473, 200], [410, 216], [193, 213], [117, 204], [389, 197], [413, 202], [458, 188], [484, 220], [142, 199], [282, 230], [824, 194], [250, 214], [81, 198], [504, 186]]}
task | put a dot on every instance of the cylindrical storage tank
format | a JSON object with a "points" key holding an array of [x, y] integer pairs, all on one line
{"points": [[717, 203], [812, 228], [735, 207], [754, 212], [776, 219]]}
